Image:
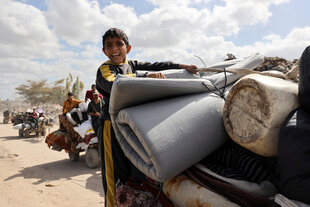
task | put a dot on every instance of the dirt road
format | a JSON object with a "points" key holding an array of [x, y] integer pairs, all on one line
{"points": [[32, 175]]}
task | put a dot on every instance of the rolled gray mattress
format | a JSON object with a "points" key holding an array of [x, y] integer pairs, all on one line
{"points": [[164, 126]]}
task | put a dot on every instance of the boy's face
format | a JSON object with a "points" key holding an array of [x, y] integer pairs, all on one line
{"points": [[115, 49]]}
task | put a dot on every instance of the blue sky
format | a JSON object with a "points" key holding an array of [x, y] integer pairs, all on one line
{"points": [[50, 39]]}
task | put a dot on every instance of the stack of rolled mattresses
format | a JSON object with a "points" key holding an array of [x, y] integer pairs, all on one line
{"points": [[166, 126]]}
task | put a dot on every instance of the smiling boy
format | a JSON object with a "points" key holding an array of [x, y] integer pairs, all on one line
{"points": [[116, 46]]}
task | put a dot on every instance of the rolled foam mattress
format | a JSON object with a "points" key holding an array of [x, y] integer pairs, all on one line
{"points": [[255, 108], [184, 192], [164, 126], [166, 140]]}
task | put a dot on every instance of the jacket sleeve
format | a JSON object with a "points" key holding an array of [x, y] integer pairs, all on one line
{"points": [[64, 108], [86, 95], [77, 102], [89, 109], [156, 66], [106, 77]]}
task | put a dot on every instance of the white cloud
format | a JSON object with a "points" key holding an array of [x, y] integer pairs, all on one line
{"points": [[80, 21], [34, 43], [289, 47], [76, 21], [169, 3], [167, 26], [272, 37], [30, 49], [24, 32], [214, 48], [120, 16], [235, 14]]}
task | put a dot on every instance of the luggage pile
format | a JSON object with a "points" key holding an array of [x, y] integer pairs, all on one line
{"points": [[76, 139], [223, 139]]}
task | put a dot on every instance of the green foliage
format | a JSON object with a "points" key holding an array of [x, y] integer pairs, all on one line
{"points": [[43, 92], [77, 87], [74, 87], [35, 91]]}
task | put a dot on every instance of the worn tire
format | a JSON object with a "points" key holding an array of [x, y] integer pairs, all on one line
{"points": [[21, 132], [26, 133], [74, 156], [92, 158]]}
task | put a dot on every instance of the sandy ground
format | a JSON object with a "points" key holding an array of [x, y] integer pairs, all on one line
{"points": [[33, 175]]}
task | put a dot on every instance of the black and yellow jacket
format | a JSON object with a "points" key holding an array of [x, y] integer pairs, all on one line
{"points": [[108, 71]]}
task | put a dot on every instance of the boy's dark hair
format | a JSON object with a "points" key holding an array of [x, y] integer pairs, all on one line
{"points": [[114, 32], [93, 85], [70, 94]]}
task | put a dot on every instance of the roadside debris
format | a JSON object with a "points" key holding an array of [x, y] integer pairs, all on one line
{"points": [[49, 184], [8, 155]]}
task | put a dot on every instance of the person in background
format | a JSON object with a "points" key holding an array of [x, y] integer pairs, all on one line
{"points": [[89, 93], [34, 116], [34, 113], [14, 113], [70, 106], [94, 109]]}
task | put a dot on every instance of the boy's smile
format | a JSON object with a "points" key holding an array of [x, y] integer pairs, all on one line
{"points": [[116, 50]]}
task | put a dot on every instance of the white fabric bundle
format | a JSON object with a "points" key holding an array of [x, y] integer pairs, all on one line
{"points": [[85, 126]]}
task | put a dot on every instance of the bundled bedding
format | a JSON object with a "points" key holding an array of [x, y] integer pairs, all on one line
{"points": [[164, 126]]}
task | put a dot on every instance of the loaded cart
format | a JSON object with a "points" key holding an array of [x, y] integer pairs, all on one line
{"points": [[27, 125], [75, 140]]}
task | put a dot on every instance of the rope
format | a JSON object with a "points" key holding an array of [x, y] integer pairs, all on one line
{"points": [[220, 93]]}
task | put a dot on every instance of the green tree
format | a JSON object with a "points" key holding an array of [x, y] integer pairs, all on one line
{"points": [[58, 93], [69, 80], [75, 87], [34, 91], [44, 92]]}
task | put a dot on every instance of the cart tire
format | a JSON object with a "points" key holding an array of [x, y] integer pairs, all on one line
{"points": [[74, 156], [92, 158], [27, 133], [21, 132]]}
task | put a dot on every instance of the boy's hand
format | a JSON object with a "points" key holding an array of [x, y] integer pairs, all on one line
{"points": [[155, 75], [189, 68]]}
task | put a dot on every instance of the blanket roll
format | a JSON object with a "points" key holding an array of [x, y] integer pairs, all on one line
{"points": [[59, 139], [165, 137], [254, 110], [164, 126], [184, 192]]}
